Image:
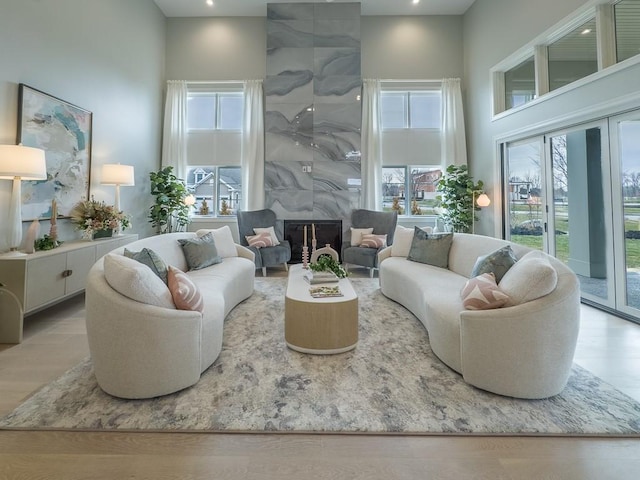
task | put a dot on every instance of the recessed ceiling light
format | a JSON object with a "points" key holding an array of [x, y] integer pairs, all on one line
{"points": [[415, 2], [210, 3], [585, 31]]}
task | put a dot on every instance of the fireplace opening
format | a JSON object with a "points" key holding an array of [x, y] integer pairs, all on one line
{"points": [[327, 232]]}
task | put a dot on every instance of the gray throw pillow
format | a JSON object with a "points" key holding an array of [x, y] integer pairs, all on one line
{"points": [[498, 263], [200, 252], [151, 259], [432, 249]]}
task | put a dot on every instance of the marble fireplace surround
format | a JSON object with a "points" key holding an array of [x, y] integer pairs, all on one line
{"points": [[313, 110]]}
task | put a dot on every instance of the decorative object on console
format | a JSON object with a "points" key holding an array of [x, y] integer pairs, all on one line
{"points": [[97, 219], [33, 231], [116, 174], [456, 198], [18, 163], [63, 130]]}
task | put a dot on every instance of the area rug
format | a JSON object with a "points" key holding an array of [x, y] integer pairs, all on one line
{"points": [[391, 383]]}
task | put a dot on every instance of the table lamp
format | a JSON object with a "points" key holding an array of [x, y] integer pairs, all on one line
{"points": [[116, 174], [18, 163]]}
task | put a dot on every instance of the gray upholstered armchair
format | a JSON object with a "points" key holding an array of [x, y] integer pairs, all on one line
{"points": [[265, 256], [383, 223]]}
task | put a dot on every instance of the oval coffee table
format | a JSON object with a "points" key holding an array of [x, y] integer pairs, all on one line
{"points": [[319, 326]]}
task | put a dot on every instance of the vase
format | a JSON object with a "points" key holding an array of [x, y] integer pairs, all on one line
{"points": [[103, 233]]}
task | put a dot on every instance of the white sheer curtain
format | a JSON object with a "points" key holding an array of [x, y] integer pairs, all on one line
{"points": [[371, 165], [253, 146], [453, 137], [174, 138]]}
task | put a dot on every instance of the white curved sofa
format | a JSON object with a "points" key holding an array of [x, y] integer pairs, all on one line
{"points": [[140, 350], [523, 351]]}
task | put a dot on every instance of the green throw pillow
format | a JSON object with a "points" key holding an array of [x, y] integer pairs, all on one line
{"points": [[498, 263], [200, 252], [432, 249], [151, 259]]}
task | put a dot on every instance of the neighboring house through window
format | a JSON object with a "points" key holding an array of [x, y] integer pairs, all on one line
{"points": [[214, 143]]}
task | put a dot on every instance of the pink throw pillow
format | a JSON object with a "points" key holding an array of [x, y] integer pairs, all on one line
{"points": [[185, 293], [260, 240], [371, 240], [482, 293]]}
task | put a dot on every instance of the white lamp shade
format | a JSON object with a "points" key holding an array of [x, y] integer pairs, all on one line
{"points": [[116, 174], [483, 200], [26, 163]]}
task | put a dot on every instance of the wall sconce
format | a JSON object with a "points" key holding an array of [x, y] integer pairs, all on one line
{"points": [[116, 174], [18, 163], [481, 200]]}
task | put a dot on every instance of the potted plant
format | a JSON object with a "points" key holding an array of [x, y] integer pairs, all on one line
{"points": [[325, 263], [456, 195], [97, 219], [169, 213]]}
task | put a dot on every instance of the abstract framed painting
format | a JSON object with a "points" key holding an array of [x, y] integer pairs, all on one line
{"points": [[63, 131]]}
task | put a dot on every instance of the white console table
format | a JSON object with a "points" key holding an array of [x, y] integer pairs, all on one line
{"points": [[41, 279]]}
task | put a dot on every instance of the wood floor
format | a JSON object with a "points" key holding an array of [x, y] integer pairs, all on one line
{"points": [[55, 340]]}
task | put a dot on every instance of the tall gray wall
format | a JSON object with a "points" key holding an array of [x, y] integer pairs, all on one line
{"points": [[104, 56], [313, 110]]}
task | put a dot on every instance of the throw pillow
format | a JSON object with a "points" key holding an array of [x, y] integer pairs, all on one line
{"points": [[223, 239], [151, 259], [498, 263], [185, 293], [530, 278], [432, 249], [356, 235], [260, 240], [482, 293], [200, 252], [271, 231], [136, 281], [402, 239], [370, 240]]}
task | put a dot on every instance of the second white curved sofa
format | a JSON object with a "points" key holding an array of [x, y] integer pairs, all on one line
{"points": [[523, 351], [140, 350]]}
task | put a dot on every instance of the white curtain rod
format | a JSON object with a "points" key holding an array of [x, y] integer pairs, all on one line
{"points": [[417, 80], [213, 82]]}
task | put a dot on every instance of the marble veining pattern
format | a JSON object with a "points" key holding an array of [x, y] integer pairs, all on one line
{"points": [[391, 382], [313, 108]]}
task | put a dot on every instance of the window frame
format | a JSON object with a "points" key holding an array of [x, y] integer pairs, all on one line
{"points": [[407, 186], [406, 96], [216, 202], [217, 95]]}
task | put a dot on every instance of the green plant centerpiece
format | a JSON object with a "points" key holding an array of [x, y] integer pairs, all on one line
{"points": [[456, 195], [169, 213], [325, 263]]}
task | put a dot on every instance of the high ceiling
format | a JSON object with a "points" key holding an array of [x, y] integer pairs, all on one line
{"points": [[258, 8]]}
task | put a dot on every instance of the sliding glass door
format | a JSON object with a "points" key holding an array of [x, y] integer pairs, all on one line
{"points": [[580, 207], [525, 200], [558, 199], [625, 148]]}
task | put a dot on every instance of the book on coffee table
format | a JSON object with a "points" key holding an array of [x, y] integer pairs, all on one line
{"points": [[320, 277], [319, 292]]}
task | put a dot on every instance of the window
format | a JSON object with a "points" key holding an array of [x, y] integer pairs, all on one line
{"points": [[520, 84], [410, 140], [573, 56], [421, 184], [218, 190], [214, 146], [410, 109], [214, 111], [627, 20]]}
